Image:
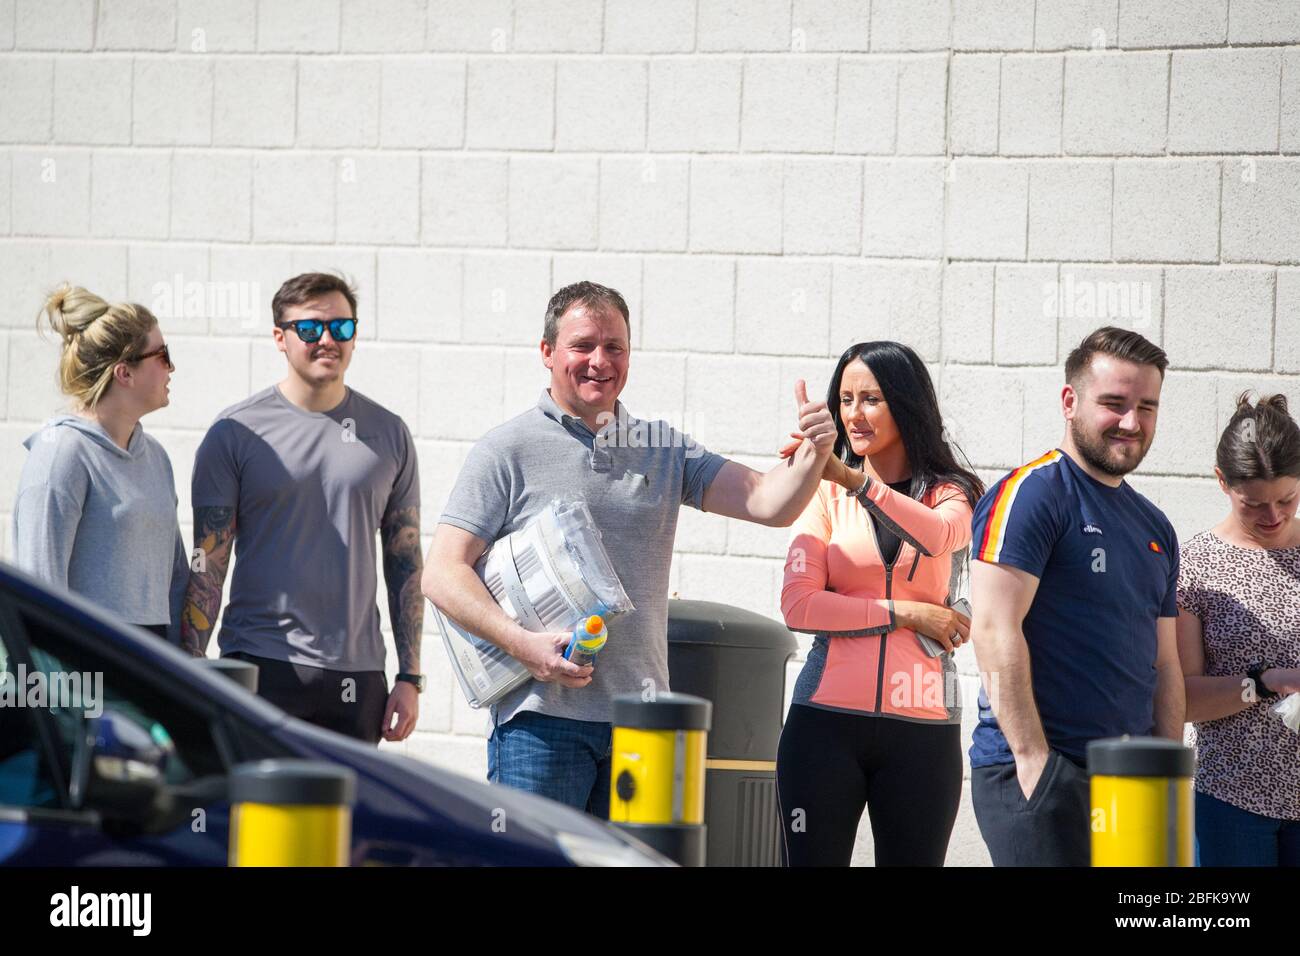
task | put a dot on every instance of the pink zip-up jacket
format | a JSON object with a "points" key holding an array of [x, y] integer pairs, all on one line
{"points": [[838, 587]]}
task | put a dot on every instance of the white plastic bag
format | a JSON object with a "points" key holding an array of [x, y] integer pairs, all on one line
{"points": [[1288, 710], [548, 575]]}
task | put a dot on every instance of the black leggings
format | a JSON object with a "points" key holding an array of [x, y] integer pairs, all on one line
{"points": [[830, 764]]}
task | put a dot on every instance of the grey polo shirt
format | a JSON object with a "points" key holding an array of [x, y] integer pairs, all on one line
{"points": [[634, 477]]}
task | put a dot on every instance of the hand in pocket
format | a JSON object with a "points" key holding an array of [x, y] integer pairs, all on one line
{"points": [[1030, 772]]}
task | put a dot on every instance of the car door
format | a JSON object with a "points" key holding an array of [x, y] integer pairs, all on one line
{"points": [[81, 675]]}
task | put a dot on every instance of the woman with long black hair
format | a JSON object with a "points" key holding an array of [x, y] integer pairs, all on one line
{"points": [[874, 720]]}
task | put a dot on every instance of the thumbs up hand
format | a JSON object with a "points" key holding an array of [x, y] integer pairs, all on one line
{"points": [[815, 422]]}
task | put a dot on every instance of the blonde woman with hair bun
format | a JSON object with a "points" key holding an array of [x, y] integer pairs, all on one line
{"points": [[96, 507]]}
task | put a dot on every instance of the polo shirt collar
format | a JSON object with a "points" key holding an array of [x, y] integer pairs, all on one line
{"points": [[551, 410]]}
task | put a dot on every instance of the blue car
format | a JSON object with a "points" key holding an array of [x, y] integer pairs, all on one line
{"points": [[116, 748]]}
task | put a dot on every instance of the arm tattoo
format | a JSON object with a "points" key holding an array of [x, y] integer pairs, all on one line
{"points": [[214, 532], [400, 534]]}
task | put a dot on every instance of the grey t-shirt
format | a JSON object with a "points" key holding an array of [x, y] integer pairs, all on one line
{"points": [[309, 490], [634, 480]]}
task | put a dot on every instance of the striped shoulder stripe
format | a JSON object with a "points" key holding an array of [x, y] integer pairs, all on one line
{"points": [[1000, 513]]}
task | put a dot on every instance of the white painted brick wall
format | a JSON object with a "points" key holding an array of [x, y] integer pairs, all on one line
{"points": [[1161, 211], [136, 25], [1069, 24], [254, 101], [1158, 23], [600, 105], [27, 108], [172, 104], [422, 103], [338, 102], [1115, 103], [643, 203], [1069, 211], [973, 103], [214, 26], [789, 105], [1224, 101], [993, 25], [695, 103], [211, 196], [822, 211], [922, 91], [664, 27], [1028, 124], [902, 211], [130, 193], [92, 100], [767, 182]]}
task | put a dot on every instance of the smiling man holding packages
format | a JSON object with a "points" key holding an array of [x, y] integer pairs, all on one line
{"points": [[552, 735]]}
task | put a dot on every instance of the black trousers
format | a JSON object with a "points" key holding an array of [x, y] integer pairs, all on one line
{"points": [[1049, 829], [829, 765], [322, 697]]}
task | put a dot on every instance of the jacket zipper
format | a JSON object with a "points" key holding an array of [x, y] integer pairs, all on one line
{"points": [[889, 582]]}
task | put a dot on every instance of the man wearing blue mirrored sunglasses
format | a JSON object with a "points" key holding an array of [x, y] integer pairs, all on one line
{"points": [[304, 473]]}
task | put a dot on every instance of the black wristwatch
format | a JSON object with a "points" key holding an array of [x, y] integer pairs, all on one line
{"points": [[1256, 674], [417, 679]]}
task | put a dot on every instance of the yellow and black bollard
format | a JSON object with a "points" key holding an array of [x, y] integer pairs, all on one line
{"points": [[657, 772], [1141, 802], [291, 813]]}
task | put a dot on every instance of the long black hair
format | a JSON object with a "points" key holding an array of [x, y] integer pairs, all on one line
{"points": [[907, 389]]}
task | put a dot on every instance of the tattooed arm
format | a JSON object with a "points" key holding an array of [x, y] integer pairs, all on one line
{"points": [[403, 563], [399, 533], [214, 535]]}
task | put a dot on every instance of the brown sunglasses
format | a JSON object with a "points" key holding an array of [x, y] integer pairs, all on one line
{"points": [[161, 350]]}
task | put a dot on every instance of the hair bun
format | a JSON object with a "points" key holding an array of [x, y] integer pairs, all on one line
{"points": [[71, 309]]}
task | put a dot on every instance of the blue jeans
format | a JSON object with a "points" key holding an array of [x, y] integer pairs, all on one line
{"points": [[566, 760], [1229, 836]]}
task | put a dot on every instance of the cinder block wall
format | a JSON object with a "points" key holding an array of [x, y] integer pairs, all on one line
{"points": [[766, 181]]}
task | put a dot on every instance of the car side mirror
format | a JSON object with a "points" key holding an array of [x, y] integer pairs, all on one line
{"points": [[119, 770]]}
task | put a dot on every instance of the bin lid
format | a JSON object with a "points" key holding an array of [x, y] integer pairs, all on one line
{"points": [[707, 622]]}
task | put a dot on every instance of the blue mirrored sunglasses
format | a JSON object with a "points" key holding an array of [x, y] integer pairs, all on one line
{"points": [[310, 330]]}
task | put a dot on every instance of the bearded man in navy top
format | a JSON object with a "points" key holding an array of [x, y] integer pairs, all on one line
{"points": [[1074, 597]]}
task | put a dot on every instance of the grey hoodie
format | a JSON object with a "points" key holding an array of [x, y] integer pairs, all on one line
{"points": [[101, 520]]}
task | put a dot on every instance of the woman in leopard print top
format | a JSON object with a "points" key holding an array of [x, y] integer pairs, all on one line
{"points": [[1239, 642]]}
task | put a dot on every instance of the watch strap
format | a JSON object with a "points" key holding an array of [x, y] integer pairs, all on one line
{"points": [[1256, 675], [417, 679]]}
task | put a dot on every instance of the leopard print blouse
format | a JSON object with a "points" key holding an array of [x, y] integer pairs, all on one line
{"points": [[1249, 605]]}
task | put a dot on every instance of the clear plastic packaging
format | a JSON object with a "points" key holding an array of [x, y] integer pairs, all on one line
{"points": [[548, 575], [1288, 711]]}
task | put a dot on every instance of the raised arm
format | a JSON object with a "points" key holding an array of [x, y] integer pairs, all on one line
{"points": [[214, 536], [1001, 595], [931, 530], [777, 497]]}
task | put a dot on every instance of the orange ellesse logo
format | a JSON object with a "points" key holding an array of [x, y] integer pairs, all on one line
{"points": [[1155, 547]]}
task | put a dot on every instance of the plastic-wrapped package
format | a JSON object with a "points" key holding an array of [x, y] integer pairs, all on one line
{"points": [[1288, 711], [548, 576]]}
